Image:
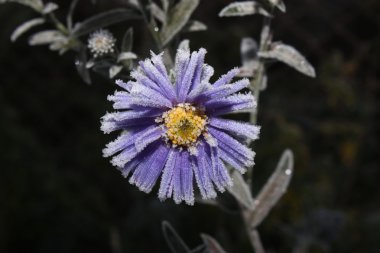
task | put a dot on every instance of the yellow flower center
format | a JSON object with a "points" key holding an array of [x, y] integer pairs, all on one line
{"points": [[184, 124]]}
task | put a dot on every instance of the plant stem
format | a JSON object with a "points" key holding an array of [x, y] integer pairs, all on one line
{"points": [[256, 86]]}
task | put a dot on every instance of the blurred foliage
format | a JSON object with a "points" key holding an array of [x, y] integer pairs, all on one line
{"points": [[57, 193]]}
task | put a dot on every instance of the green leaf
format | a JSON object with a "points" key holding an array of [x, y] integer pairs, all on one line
{"points": [[24, 27], [194, 26], [46, 37], [177, 18], [240, 190], [126, 56], [69, 18], [80, 63], [114, 70], [273, 189], [157, 12], [127, 43], [289, 55], [243, 9], [104, 19], [211, 244], [174, 241], [49, 7], [278, 3]]}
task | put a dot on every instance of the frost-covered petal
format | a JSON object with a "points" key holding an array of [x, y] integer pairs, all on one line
{"points": [[167, 180], [220, 176], [239, 153], [231, 103], [147, 172], [226, 78], [202, 173], [184, 85], [236, 128]]}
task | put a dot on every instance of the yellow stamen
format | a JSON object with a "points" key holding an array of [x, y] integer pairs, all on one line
{"points": [[184, 124]]}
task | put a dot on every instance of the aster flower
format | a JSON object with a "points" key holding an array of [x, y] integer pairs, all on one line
{"points": [[101, 42], [176, 130]]}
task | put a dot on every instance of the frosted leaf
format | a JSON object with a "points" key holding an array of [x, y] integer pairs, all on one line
{"points": [[211, 244], [37, 5], [243, 9], [184, 45], [289, 55], [194, 26], [273, 189], [126, 56], [49, 7], [157, 12], [177, 18], [127, 42], [24, 27], [46, 37], [240, 190], [174, 241], [278, 3], [114, 70]]}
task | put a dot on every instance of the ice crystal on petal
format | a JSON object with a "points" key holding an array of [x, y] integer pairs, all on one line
{"points": [[173, 129]]}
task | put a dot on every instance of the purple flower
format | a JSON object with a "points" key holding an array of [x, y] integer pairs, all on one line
{"points": [[174, 128]]}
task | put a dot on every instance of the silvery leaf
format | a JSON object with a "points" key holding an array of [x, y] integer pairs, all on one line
{"points": [[24, 27], [194, 26], [157, 12], [49, 7], [104, 19], [240, 190], [126, 56], [174, 241], [165, 5], [289, 55], [114, 70], [278, 3], [45, 37], [211, 244], [264, 83], [127, 43], [134, 3], [243, 9], [90, 63], [184, 45], [177, 18], [274, 188], [248, 50], [80, 64], [69, 18], [37, 5]]}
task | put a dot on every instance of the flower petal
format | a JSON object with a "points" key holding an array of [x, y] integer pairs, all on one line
{"points": [[229, 104], [226, 78], [167, 181], [147, 172], [236, 128]]}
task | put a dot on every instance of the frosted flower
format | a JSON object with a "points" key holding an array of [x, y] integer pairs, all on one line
{"points": [[176, 129], [101, 42]]}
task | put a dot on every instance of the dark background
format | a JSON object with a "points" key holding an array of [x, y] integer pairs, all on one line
{"points": [[57, 193]]}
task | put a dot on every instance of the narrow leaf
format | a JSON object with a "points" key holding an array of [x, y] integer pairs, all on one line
{"points": [[104, 19], [240, 190], [184, 45], [69, 18], [127, 43], [177, 18], [273, 189], [157, 12], [194, 26], [174, 241], [49, 7], [211, 244], [243, 9], [278, 3], [21, 29], [126, 56], [290, 56], [114, 70], [80, 63], [45, 37]]}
